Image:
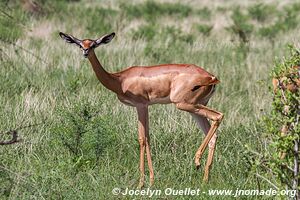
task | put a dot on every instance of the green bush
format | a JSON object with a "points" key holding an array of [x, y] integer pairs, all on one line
{"points": [[282, 129], [83, 132]]}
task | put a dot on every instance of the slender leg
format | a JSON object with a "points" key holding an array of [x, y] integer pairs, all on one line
{"points": [[148, 151], [142, 141], [211, 152], [216, 117], [204, 124], [205, 142]]}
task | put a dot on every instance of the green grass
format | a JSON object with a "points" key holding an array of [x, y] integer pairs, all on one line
{"points": [[204, 29], [87, 144], [152, 10], [262, 12]]}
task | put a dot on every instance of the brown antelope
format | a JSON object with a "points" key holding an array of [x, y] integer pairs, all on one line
{"points": [[187, 86]]}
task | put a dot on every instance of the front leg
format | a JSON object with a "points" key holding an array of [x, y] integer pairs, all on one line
{"points": [[142, 129]]}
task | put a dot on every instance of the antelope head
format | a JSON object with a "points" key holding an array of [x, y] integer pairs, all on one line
{"points": [[86, 45]]}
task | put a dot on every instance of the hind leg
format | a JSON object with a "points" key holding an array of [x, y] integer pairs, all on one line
{"points": [[204, 124], [216, 118], [211, 152]]}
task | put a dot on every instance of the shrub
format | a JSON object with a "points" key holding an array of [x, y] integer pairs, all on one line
{"points": [[285, 114], [280, 161], [82, 132]]}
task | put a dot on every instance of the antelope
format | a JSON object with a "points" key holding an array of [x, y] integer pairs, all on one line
{"points": [[187, 86]]}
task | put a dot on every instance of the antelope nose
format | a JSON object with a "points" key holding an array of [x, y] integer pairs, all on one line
{"points": [[85, 54]]}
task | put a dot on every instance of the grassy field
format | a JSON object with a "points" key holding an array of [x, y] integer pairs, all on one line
{"points": [[85, 143]]}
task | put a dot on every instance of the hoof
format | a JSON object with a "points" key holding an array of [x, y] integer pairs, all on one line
{"points": [[205, 178], [140, 186], [141, 183], [151, 182], [197, 162], [197, 165]]}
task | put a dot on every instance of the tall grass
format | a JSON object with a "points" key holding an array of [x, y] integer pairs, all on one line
{"points": [[87, 144]]}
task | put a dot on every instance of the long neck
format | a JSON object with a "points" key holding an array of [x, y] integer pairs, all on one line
{"points": [[108, 80]]}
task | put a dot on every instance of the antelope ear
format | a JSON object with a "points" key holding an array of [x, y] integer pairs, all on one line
{"points": [[69, 38], [104, 39]]}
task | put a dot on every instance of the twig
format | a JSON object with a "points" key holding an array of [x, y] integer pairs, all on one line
{"points": [[14, 134], [296, 167], [26, 50], [282, 92], [6, 14], [260, 176], [14, 138]]}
